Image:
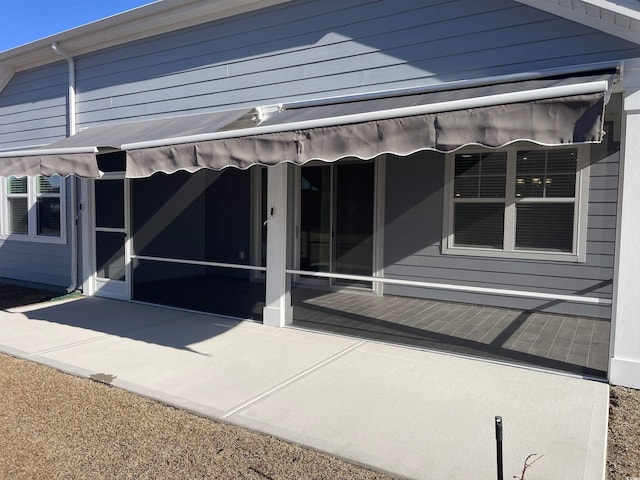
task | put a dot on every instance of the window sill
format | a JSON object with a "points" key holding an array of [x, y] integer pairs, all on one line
{"points": [[516, 255], [33, 239]]}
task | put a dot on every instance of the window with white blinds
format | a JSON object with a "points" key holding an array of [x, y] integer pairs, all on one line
{"points": [[479, 192], [33, 208], [48, 206], [519, 202], [17, 206]]}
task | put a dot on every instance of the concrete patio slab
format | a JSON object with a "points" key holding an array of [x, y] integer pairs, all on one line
{"points": [[72, 321], [425, 415], [415, 413]]}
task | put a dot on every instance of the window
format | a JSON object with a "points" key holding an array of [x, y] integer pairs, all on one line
{"points": [[33, 208], [522, 202], [17, 206]]}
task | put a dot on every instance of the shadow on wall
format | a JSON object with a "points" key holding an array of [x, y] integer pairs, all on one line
{"points": [[316, 48], [413, 205], [33, 107]]}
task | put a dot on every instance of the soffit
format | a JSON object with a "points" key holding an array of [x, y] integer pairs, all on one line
{"points": [[620, 18]]}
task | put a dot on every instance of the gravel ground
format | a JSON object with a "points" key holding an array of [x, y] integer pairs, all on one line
{"points": [[56, 426], [623, 461], [15, 296]]}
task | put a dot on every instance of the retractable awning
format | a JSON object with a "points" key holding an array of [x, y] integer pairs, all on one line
{"points": [[555, 110], [548, 111], [77, 154]]}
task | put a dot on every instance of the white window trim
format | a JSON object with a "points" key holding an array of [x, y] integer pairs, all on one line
{"points": [[581, 200], [32, 198]]}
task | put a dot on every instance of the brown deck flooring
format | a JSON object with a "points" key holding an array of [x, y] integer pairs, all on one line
{"points": [[572, 344], [566, 343]]}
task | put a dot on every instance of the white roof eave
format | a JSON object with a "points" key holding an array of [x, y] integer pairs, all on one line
{"points": [[620, 18], [142, 22], [6, 74]]}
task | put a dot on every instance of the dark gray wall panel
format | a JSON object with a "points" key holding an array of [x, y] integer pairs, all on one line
{"points": [[165, 208], [33, 107], [24, 260], [311, 48], [228, 217]]}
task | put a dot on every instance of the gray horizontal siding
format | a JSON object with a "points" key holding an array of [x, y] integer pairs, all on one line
{"points": [[35, 262], [413, 230], [45, 263], [33, 107], [320, 48], [33, 111]]}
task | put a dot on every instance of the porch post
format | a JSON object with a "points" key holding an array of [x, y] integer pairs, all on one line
{"points": [[624, 365], [86, 244], [277, 311]]}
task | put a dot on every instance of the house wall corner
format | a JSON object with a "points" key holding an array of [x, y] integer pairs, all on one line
{"points": [[624, 366]]}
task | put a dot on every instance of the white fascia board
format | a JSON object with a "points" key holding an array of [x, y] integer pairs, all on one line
{"points": [[620, 19], [629, 8], [143, 22], [6, 74]]}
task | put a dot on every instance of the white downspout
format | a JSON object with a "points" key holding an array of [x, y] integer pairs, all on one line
{"points": [[72, 87], [71, 112]]}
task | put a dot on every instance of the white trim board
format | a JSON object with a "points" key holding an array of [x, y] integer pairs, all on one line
{"points": [[6, 74], [621, 19]]}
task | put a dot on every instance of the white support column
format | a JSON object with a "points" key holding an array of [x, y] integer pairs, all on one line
{"points": [[277, 311], [86, 230], [624, 365]]}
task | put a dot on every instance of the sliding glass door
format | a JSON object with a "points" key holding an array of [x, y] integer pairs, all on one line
{"points": [[336, 218]]}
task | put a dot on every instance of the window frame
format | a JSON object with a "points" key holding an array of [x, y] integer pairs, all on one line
{"points": [[32, 196], [580, 201], [7, 201]]}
